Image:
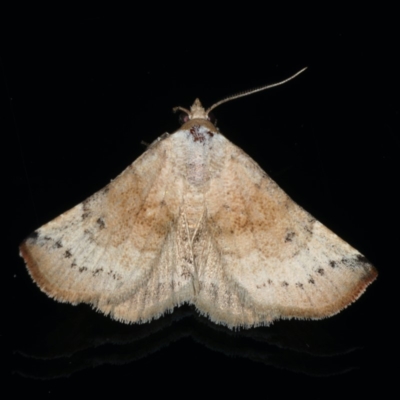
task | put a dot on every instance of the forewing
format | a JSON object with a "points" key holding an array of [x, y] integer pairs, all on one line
{"points": [[117, 249], [273, 259]]}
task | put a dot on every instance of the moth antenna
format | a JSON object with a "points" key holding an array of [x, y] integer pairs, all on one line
{"points": [[251, 91]]}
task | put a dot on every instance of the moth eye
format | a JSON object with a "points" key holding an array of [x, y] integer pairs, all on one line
{"points": [[183, 118], [212, 118]]}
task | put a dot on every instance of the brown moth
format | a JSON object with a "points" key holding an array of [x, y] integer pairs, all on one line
{"points": [[195, 220]]}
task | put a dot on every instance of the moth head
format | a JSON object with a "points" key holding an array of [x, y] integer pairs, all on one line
{"points": [[197, 111]]}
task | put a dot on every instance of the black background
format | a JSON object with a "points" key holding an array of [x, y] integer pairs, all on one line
{"points": [[83, 88]]}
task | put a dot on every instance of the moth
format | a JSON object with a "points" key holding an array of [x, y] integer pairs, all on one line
{"points": [[195, 220]]}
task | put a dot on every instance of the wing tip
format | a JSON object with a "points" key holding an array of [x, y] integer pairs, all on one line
{"points": [[342, 302], [26, 250]]}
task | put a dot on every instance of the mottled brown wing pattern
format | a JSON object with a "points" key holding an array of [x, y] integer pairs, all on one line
{"points": [[196, 220], [117, 250], [275, 260]]}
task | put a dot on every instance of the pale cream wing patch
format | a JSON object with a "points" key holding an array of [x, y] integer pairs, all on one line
{"points": [[118, 250], [273, 259]]}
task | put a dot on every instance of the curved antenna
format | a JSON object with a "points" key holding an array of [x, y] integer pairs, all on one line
{"points": [[248, 92]]}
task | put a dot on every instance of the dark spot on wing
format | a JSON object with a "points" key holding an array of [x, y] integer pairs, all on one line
{"points": [[97, 271], [82, 269], [284, 284], [73, 265], [360, 258], [311, 280], [347, 262], [333, 264], [289, 237], [114, 275], [67, 254], [86, 209], [101, 223], [321, 271], [58, 244], [269, 282], [358, 261], [299, 285], [309, 227]]}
